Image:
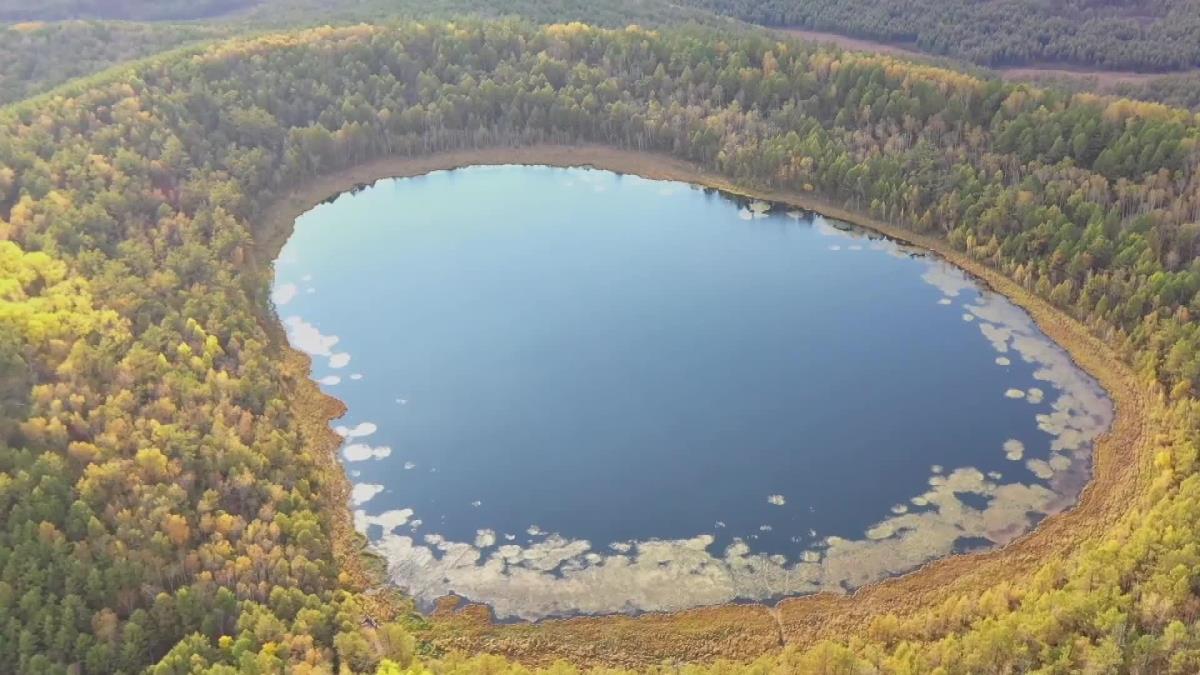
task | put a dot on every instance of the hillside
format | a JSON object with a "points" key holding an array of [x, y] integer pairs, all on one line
{"points": [[1109, 34], [134, 10], [37, 55]]}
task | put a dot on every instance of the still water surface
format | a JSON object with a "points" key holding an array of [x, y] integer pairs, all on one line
{"points": [[572, 391]]}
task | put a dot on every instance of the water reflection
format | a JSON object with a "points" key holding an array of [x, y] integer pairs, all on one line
{"points": [[966, 502]]}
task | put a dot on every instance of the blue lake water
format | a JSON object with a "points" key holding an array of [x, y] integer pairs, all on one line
{"points": [[572, 391]]}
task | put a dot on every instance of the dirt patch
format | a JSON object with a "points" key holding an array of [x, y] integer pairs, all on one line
{"points": [[739, 631]]}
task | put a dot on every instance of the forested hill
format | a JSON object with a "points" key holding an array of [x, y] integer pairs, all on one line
{"points": [[1109, 34], [36, 55], [292, 12], [161, 497], [1160, 35], [142, 10]]}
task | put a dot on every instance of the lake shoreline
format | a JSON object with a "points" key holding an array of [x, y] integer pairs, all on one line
{"points": [[736, 631]]}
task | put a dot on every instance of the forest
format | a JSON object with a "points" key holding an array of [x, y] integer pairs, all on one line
{"points": [[37, 55], [141, 10], [161, 505], [1108, 34], [1157, 36], [1182, 91]]}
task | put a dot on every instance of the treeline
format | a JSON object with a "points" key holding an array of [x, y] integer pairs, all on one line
{"points": [[284, 12], [36, 57], [159, 503], [609, 13], [1182, 91], [140, 10], [1121, 34]]}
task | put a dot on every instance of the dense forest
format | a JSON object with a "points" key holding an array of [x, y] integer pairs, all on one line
{"points": [[1110, 34], [142, 10], [160, 505], [1105, 34], [1176, 90], [280, 12], [609, 13], [35, 57], [1179, 90]]}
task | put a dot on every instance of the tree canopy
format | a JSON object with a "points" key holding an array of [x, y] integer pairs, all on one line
{"points": [[150, 10], [1110, 34], [164, 506]]}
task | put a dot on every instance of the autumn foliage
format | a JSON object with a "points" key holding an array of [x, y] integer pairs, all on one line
{"points": [[158, 505]]}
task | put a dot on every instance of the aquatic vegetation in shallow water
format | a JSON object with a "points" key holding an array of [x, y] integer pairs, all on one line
{"points": [[561, 576], [554, 573], [357, 452], [357, 431], [284, 293], [362, 493]]}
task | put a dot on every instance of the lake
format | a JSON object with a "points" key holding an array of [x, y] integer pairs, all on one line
{"points": [[574, 392]]}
